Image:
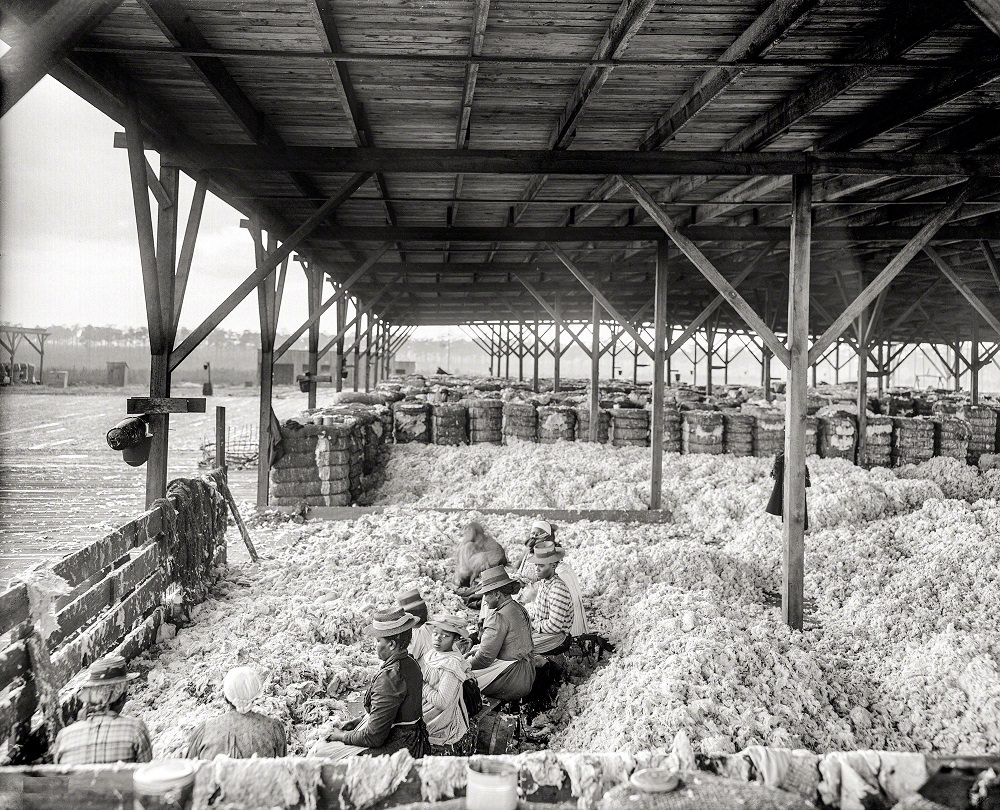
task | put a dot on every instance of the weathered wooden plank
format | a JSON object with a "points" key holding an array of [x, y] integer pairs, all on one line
{"points": [[135, 405], [107, 632], [89, 560], [13, 607], [16, 707], [14, 663]]}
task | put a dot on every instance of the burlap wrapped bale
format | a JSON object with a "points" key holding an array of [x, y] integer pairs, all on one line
{"points": [[878, 442], [449, 424], [556, 423], [912, 440], [671, 429], [485, 421], [343, 499], [520, 422], [411, 422], [983, 423], [295, 475], [738, 433], [629, 427], [305, 489], [951, 439], [768, 433], [703, 432], [583, 425], [901, 406], [838, 436]]}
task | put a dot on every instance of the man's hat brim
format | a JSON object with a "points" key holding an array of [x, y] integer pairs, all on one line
{"points": [[128, 676], [376, 632]]}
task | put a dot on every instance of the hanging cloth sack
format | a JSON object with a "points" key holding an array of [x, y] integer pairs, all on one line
{"points": [[776, 503]]}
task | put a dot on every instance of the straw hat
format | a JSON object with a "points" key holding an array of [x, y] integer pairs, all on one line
{"points": [[108, 671], [410, 599], [450, 623], [493, 578], [545, 553], [390, 622]]}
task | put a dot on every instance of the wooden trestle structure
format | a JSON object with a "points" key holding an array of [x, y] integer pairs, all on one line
{"points": [[810, 175]]}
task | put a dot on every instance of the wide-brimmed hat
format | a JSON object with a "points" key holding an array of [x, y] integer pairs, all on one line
{"points": [[493, 578], [545, 553], [410, 599], [541, 526], [450, 623], [108, 671], [390, 622]]}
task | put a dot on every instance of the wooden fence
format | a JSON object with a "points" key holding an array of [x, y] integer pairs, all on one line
{"points": [[120, 589]]}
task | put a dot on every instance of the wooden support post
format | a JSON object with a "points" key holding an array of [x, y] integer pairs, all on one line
{"points": [[368, 352], [314, 283], [957, 368], [709, 355], [881, 369], [836, 364], [356, 371], [635, 364], [557, 354], [535, 355], [595, 372], [506, 350], [337, 363], [670, 354], [220, 437], [659, 346], [765, 354], [266, 298], [159, 361], [520, 351], [975, 364], [796, 403], [862, 404], [725, 360], [615, 334]]}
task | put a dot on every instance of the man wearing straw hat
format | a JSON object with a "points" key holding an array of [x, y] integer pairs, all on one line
{"points": [[503, 664], [552, 611], [102, 735], [393, 717], [542, 531]]}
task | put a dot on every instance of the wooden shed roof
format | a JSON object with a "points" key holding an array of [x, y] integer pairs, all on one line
{"points": [[282, 101]]}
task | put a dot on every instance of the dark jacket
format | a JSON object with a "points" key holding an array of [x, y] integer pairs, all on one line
{"points": [[776, 503], [394, 716]]}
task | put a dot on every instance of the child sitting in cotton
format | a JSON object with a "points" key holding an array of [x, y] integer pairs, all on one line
{"points": [[445, 671]]}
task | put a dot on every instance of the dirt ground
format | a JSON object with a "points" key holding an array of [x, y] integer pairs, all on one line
{"points": [[62, 487]]}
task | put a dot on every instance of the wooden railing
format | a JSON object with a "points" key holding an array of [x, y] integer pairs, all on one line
{"points": [[120, 589]]}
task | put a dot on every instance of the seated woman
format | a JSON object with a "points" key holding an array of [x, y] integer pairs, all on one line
{"points": [[503, 663], [476, 553], [393, 717], [445, 670], [102, 735], [239, 733]]}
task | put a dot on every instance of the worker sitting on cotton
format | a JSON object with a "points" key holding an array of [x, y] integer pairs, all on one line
{"points": [[503, 664], [542, 531], [475, 554], [102, 735], [393, 718], [240, 733], [413, 603], [445, 670], [551, 611]]}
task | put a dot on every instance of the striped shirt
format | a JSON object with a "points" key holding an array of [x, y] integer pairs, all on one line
{"points": [[552, 610], [103, 737]]}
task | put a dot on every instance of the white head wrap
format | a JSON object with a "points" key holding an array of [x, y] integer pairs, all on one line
{"points": [[242, 687]]}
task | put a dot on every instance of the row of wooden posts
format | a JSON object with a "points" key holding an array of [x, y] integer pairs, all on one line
{"points": [[165, 277]]}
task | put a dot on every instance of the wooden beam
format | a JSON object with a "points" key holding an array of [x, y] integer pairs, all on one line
{"points": [[333, 299], [796, 404], [706, 268], [187, 250], [974, 300], [718, 301], [343, 329], [45, 43], [595, 372], [893, 269], [991, 261], [628, 19], [659, 359], [573, 162], [988, 11], [905, 315], [551, 311], [263, 270], [148, 405], [600, 298]]}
